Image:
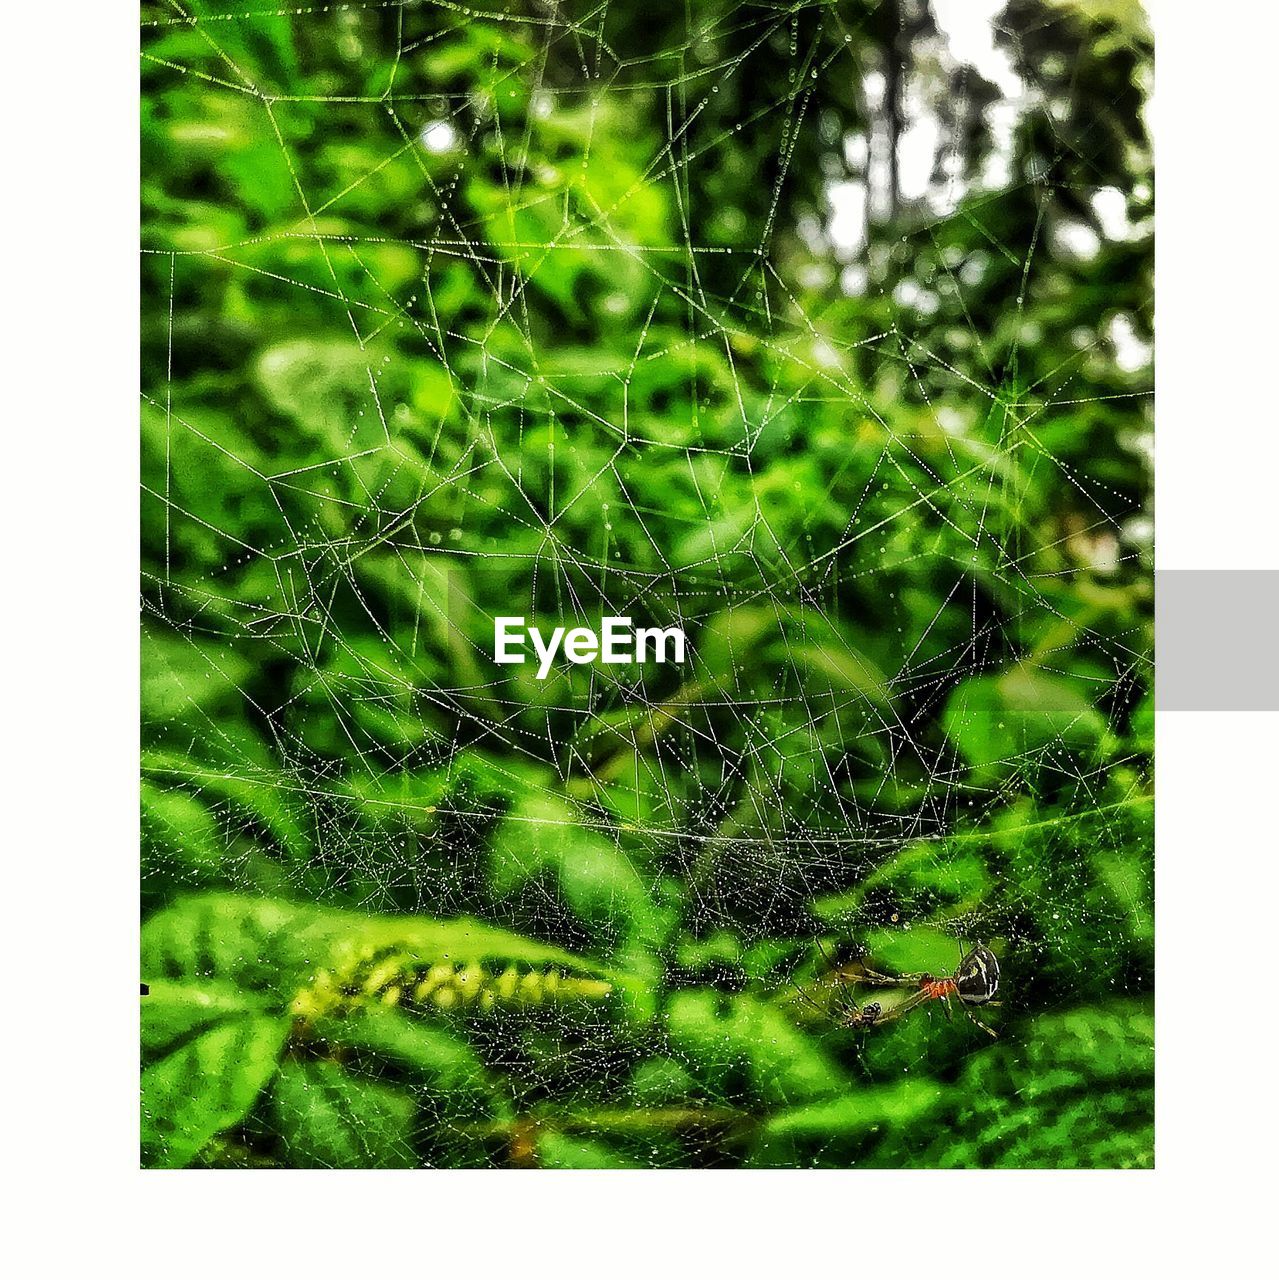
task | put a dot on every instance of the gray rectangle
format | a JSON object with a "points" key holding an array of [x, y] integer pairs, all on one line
{"points": [[1215, 640]]}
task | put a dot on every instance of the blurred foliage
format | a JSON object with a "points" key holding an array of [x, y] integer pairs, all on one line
{"points": [[448, 309]]}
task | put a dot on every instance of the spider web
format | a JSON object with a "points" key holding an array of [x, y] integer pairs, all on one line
{"points": [[456, 311]]}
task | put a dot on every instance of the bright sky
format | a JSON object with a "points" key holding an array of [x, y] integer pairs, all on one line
{"points": [[966, 25]]}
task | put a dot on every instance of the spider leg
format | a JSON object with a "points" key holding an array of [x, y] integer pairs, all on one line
{"points": [[807, 999], [851, 1012], [833, 971], [872, 978], [849, 1015], [972, 1017], [901, 1009], [830, 964]]}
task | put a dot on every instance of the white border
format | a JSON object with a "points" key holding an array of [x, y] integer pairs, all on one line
{"points": [[1217, 277], [72, 827]]}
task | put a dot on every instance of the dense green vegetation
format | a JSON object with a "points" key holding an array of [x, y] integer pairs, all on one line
{"points": [[451, 313]]}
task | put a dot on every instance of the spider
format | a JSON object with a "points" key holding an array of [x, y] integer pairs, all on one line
{"points": [[974, 982]]}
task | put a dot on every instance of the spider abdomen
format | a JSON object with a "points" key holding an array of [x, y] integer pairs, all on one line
{"points": [[977, 979]]}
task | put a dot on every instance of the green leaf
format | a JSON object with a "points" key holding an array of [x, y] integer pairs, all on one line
{"points": [[211, 1054], [741, 1038], [859, 1113], [268, 945], [173, 1012], [182, 679], [176, 825], [328, 1119], [251, 943], [564, 1151], [442, 1061], [927, 880], [997, 720], [599, 882], [1072, 1090], [321, 385]]}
